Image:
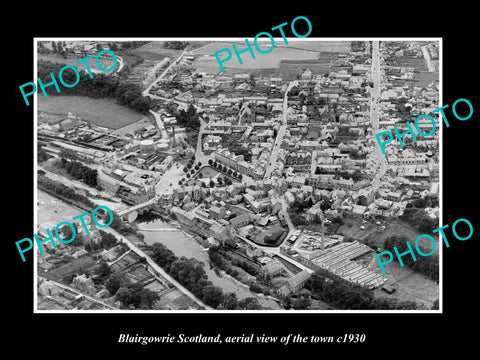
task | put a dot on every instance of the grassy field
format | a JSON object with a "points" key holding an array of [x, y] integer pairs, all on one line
{"points": [[155, 51], [72, 60], [410, 285], [416, 63], [289, 69], [79, 265], [101, 112], [373, 236], [320, 46], [206, 61], [425, 78]]}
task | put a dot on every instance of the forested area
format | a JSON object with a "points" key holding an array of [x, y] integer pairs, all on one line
{"points": [[427, 265], [344, 295], [99, 87], [191, 274]]}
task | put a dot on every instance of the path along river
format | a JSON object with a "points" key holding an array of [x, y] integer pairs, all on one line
{"points": [[183, 244], [55, 210]]}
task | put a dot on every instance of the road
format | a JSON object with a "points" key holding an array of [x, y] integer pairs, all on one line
{"points": [[280, 135], [137, 207], [162, 75], [374, 114], [426, 55], [160, 125], [88, 297], [199, 155]]}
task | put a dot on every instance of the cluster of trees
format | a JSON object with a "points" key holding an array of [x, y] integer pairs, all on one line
{"points": [[63, 191], [356, 156], [345, 131], [177, 45], [419, 219], [356, 176], [303, 302], [342, 294], [137, 296], [122, 227], [429, 201], [296, 211], [189, 119], [42, 154], [428, 266], [226, 170], [100, 86], [131, 45], [191, 274], [217, 256], [57, 48], [80, 171]]}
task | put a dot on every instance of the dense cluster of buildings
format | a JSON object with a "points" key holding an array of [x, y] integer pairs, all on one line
{"points": [[308, 141]]}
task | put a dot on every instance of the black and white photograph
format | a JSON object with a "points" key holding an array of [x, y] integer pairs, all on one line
{"points": [[260, 187], [240, 182]]}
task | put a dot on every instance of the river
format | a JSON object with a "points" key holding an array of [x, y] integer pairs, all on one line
{"points": [[183, 244], [54, 210]]}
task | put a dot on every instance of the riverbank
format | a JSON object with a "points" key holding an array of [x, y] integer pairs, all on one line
{"points": [[184, 244]]}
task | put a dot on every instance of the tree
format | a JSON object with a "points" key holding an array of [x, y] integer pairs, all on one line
{"points": [[115, 282], [212, 295], [163, 256], [229, 302], [192, 171], [210, 162], [108, 240], [180, 182], [190, 273], [197, 167], [199, 164], [212, 183], [249, 303], [137, 296], [302, 304], [185, 170], [240, 176], [102, 270], [252, 80]]}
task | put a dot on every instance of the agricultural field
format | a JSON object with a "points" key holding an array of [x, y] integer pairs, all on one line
{"points": [[410, 285], [418, 64], [101, 112], [206, 61], [155, 51], [289, 69], [425, 78], [320, 46], [72, 60], [374, 236], [285, 61]]}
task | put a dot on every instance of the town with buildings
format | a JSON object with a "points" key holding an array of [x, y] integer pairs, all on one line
{"points": [[249, 189]]}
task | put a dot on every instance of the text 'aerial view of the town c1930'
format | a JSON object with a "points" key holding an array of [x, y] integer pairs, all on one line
{"points": [[260, 187]]}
